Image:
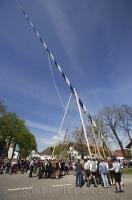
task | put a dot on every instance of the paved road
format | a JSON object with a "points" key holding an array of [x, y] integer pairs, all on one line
{"points": [[20, 187]]}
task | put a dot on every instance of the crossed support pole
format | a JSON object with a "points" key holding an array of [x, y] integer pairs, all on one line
{"points": [[83, 125], [60, 129], [82, 121]]}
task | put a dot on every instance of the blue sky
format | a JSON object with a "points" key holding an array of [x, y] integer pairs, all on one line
{"points": [[92, 41]]}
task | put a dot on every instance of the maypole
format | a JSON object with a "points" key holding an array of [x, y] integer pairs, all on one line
{"points": [[80, 104]]}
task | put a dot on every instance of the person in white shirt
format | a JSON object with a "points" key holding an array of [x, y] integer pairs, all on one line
{"points": [[93, 170], [117, 175]]}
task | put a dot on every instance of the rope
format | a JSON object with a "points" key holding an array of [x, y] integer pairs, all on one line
{"points": [[59, 96], [73, 91], [57, 90]]}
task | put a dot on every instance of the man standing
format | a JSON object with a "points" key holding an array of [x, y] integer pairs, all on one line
{"points": [[79, 176], [31, 167], [103, 171], [94, 171], [117, 175]]}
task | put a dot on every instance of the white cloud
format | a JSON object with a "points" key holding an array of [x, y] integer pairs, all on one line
{"points": [[41, 126], [44, 142]]}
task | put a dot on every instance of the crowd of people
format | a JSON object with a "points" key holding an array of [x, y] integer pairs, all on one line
{"points": [[49, 168], [36, 167], [104, 172], [90, 171], [12, 166]]}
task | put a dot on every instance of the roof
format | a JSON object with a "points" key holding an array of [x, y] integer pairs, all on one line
{"points": [[93, 148], [47, 151], [118, 153]]}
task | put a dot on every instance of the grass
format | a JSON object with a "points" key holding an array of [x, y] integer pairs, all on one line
{"points": [[127, 171]]}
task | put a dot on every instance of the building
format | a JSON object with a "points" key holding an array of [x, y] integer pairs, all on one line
{"points": [[118, 153], [128, 152]]}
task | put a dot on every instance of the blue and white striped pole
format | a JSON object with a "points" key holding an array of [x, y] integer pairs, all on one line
{"points": [[62, 73], [54, 60]]}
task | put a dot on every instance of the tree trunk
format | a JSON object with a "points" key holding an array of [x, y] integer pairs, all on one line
{"points": [[119, 141]]}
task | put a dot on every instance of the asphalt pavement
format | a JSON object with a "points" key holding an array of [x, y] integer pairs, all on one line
{"points": [[21, 187]]}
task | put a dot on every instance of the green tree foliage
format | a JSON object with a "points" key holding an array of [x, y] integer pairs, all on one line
{"points": [[13, 131], [27, 143]]}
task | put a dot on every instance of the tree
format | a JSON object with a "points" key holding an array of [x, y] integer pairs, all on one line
{"points": [[111, 119], [2, 144], [27, 143], [14, 132], [125, 118], [104, 134], [80, 142], [10, 126]]}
